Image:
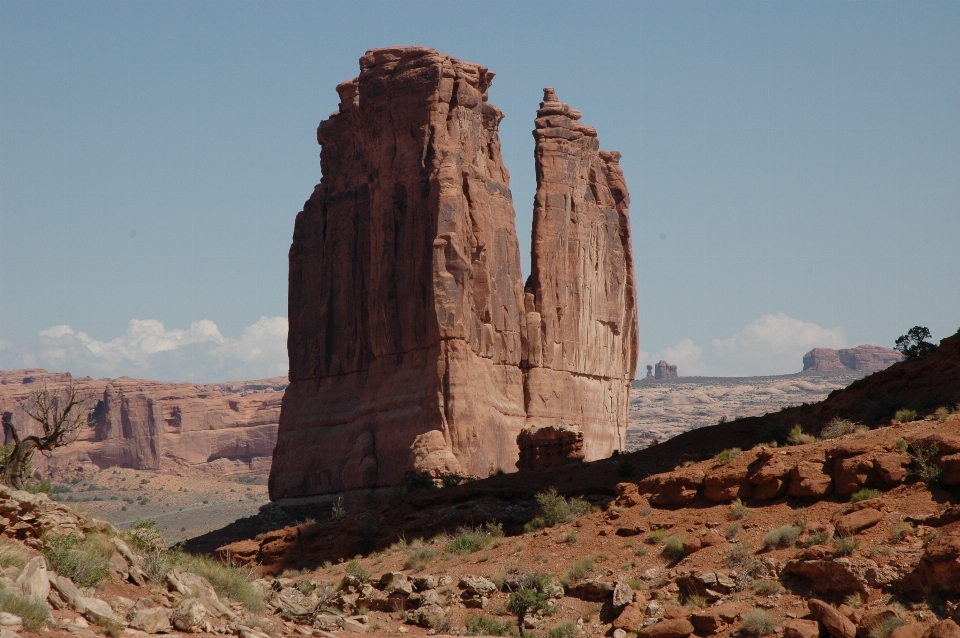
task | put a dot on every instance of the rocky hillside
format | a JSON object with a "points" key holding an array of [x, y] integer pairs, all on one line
{"points": [[220, 428]]}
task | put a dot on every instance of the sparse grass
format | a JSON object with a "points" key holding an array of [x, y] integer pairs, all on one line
{"points": [[942, 413], [109, 626], [900, 531], [901, 445], [84, 561], [738, 510], [33, 612], [905, 416], [885, 627], [485, 626], [571, 537], [854, 600], [469, 539], [798, 437], [727, 455], [922, 457], [656, 536], [863, 495], [673, 549], [556, 509], [737, 556], [732, 530], [228, 581], [839, 427], [845, 545], [759, 622], [767, 587], [12, 553], [566, 629], [694, 601], [356, 569], [419, 557], [580, 570], [782, 537], [641, 551], [817, 538]]}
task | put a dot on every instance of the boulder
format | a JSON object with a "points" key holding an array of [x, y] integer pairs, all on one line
{"points": [[850, 474], [426, 615], [594, 590], [827, 575], [189, 615], [152, 620], [677, 628], [910, 630], [858, 520], [939, 566], [673, 489], [801, 628], [630, 618], [477, 585], [809, 480], [943, 629], [726, 483], [832, 620], [96, 610], [622, 595], [33, 580]]}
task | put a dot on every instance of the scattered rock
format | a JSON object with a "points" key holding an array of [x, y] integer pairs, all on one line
{"points": [[622, 595], [153, 620], [800, 628], [833, 621], [477, 585], [33, 581], [856, 521], [677, 628], [189, 615]]}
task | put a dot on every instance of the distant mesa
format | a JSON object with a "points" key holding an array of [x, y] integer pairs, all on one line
{"points": [[864, 358]]}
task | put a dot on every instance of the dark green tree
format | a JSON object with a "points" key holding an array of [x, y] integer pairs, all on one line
{"points": [[524, 601], [913, 344]]}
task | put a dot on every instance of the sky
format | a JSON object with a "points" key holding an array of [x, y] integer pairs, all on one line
{"points": [[794, 167]]}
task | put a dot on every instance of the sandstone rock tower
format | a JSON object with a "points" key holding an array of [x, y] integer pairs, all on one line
{"points": [[408, 336]]}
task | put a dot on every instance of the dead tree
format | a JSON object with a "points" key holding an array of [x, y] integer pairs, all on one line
{"points": [[60, 414]]}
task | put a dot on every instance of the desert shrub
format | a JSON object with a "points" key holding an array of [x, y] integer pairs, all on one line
{"points": [[580, 570], [338, 512], [538, 581], [693, 601], [905, 416], [901, 445], [84, 561], [738, 510], [854, 600], [798, 437], [728, 455], [356, 569], [732, 530], [12, 553], [484, 626], [229, 581], [673, 549], [942, 413], [885, 627], [656, 536], [922, 457], [419, 556], [471, 539], [566, 629], [900, 531], [782, 537], [863, 495], [737, 556], [767, 587], [571, 537], [759, 622], [524, 601], [839, 427], [817, 538], [555, 509], [641, 551], [34, 612], [844, 545]]}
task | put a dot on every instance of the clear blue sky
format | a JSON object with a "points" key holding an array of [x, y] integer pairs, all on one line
{"points": [[794, 167]]}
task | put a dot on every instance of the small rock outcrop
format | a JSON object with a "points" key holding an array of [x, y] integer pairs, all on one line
{"points": [[665, 371], [865, 358]]}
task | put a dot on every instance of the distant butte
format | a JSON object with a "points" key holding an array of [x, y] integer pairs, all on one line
{"points": [[865, 358], [413, 342]]}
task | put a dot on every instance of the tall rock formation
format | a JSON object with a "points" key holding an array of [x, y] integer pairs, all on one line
{"points": [[580, 301], [665, 370], [408, 335], [405, 301]]}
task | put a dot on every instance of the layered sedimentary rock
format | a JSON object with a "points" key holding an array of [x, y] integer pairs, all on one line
{"points": [[580, 298], [665, 371], [227, 428], [408, 320], [405, 301], [865, 358]]}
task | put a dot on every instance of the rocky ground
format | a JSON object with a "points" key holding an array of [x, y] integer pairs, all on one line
{"points": [[663, 408]]}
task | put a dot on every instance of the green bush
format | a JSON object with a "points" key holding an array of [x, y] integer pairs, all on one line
{"points": [[728, 455], [738, 510], [84, 561], [922, 457], [839, 427], [566, 629], [737, 556], [555, 509], [885, 627], [942, 413], [817, 538], [419, 556], [34, 612], [782, 537], [228, 581], [905, 416], [469, 539], [580, 570], [356, 569], [767, 587], [901, 445], [759, 622], [484, 626], [732, 530], [655, 536], [798, 437], [863, 495], [524, 601], [673, 549], [844, 545], [900, 531]]}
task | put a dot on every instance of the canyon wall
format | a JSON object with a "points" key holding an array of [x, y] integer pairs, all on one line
{"points": [[408, 344], [226, 428]]}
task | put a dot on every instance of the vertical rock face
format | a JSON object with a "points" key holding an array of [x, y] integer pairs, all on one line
{"points": [[665, 371], [405, 301], [580, 299]]}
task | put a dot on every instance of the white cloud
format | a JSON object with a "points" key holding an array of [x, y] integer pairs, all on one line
{"points": [[685, 354], [147, 349], [774, 344]]}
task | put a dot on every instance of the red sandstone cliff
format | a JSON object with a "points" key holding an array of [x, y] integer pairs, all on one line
{"points": [[581, 306], [227, 428], [866, 357]]}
